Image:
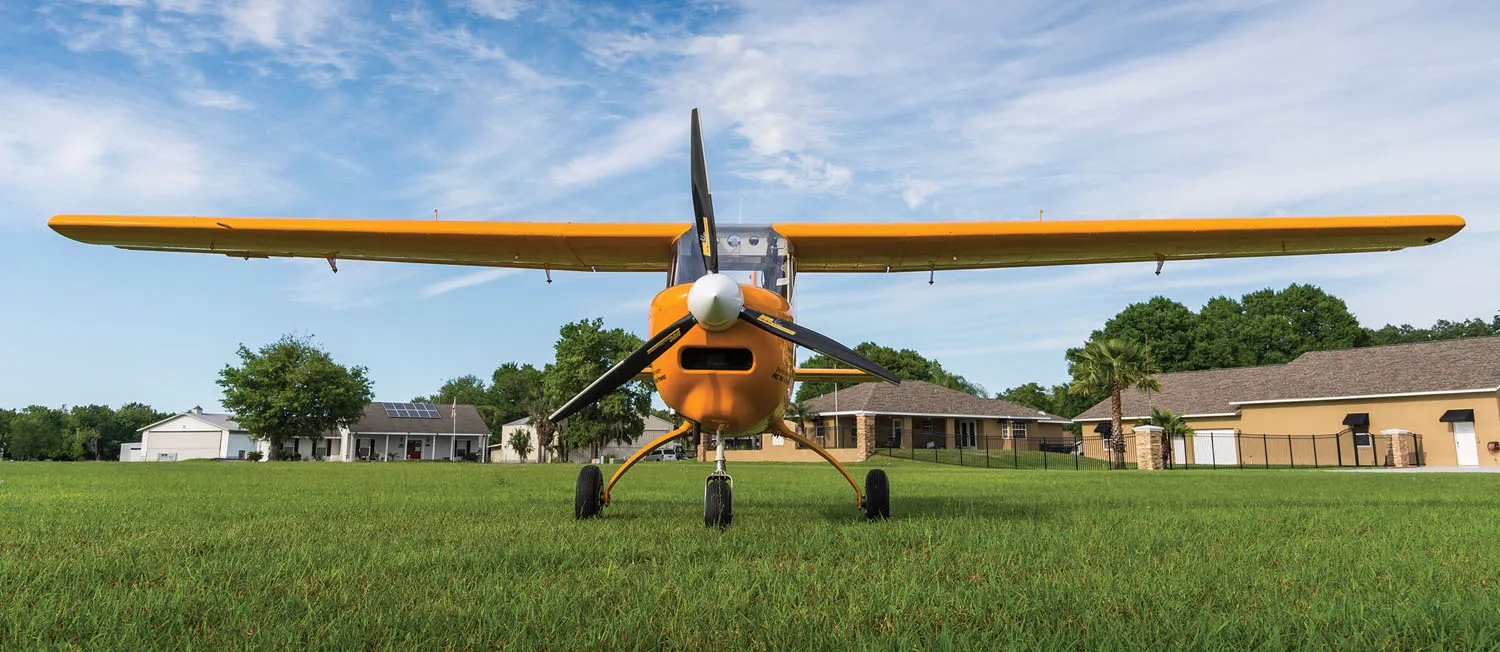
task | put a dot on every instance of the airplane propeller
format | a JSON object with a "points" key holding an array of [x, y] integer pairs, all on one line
{"points": [[715, 303]]}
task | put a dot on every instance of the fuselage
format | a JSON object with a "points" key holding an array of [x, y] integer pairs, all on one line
{"points": [[734, 380]]}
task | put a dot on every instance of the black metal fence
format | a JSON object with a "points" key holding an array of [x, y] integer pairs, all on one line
{"points": [[1205, 450]]}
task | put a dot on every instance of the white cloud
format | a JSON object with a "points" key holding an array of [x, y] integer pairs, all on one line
{"points": [[497, 9], [467, 280], [97, 151], [637, 144], [916, 191], [805, 172], [217, 100]]}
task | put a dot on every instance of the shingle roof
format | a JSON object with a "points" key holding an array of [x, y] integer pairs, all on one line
{"points": [[224, 421], [468, 423], [1423, 367], [917, 397]]}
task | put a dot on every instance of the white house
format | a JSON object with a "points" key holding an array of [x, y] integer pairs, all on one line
{"points": [[194, 435], [386, 432], [500, 451]]}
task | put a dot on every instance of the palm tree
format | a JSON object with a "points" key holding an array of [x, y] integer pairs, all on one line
{"points": [[539, 408], [1171, 425], [801, 413], [1111, 366]]}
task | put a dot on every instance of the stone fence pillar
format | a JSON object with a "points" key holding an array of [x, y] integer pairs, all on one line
{"points": [[1399, 448], [1148, 448], [864, 436]]}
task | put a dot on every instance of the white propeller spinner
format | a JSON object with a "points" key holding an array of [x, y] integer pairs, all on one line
{"points": [[715, 301]]}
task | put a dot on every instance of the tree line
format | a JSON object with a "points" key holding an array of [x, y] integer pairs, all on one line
{"points": [[82, 432]]}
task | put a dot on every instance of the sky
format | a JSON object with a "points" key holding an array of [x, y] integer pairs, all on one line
{"points": [[531, 110]]}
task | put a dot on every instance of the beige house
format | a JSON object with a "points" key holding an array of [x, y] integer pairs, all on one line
{"points": [[920, 415], [501, 451], [1333, 407]]}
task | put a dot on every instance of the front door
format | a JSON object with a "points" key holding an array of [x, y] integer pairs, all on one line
{"points": [[965, 434], [1466, 443], [414, 449]]}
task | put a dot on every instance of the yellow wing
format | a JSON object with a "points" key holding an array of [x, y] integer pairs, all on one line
{"points": [[908, 247], [645, 247], [849, 247]]}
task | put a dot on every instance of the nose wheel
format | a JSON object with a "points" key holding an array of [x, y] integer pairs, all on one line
{"points": [[718, 491]]}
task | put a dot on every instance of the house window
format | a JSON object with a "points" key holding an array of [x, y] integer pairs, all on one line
{"points": [[820, 432], [1362, 437], [1018, 430], [927, 426]]}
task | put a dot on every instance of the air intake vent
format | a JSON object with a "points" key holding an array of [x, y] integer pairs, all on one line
{"points": [[715, 359]]}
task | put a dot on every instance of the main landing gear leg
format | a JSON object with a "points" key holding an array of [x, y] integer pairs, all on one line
{"points": [[589, 500], [875, 500], [718, 492]]}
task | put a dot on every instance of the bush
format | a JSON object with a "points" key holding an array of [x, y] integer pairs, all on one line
{"points": [[254, 456]]}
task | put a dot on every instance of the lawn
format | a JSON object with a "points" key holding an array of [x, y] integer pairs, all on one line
{"points": [[998, 459], [401, 556]]}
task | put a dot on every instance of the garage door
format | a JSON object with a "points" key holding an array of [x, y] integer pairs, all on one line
{"points": [[187, 445], [1214, 447]]}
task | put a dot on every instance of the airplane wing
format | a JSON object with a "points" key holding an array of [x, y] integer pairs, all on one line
{"points": [[920, 247], [825, 247], [616, 247]]}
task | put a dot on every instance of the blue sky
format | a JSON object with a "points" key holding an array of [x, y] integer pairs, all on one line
{"points": [[558, 111]]}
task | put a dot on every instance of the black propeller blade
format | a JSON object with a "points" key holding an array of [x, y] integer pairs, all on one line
{"points": [[703, 204], [821, 343], [626, 369]]}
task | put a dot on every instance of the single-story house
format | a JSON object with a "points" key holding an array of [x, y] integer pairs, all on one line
{"points": [[410, 431], [386, 431], [854, 422], [1338, 407], [193, 435], [500, 450]]}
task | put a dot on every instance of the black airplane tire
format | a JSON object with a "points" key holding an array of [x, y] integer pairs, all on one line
{"points": [[718, 503], [877, 495], [588, 499]]}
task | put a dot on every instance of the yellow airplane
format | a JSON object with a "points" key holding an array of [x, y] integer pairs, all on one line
{"points": [[725, 317]]}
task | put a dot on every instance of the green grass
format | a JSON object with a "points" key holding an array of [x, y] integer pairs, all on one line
{"points": [[464, 556], [998, 459]]}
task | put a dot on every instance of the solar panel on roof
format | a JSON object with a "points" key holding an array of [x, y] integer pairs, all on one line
{"points": [[410, 410]]}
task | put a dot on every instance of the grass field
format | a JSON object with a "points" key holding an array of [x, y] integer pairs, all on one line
{"points": [[462, 556]]}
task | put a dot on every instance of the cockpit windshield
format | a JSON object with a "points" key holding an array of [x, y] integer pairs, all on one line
{"points": [[751, 254]]}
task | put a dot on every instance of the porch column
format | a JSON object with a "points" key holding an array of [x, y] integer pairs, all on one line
{"points": [[1148, 448], [864, 436], [1398, 447]]}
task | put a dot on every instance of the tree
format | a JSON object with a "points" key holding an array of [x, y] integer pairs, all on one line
{"points": [[512, 386], [6, 417], [585, 350], [291, 388], [1440, 330], [520, 442], [469, 390], [802, 413], [88, 425], [905, 363], [1163, 324], [538, 407], [1113, 365], [38, 433]]}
